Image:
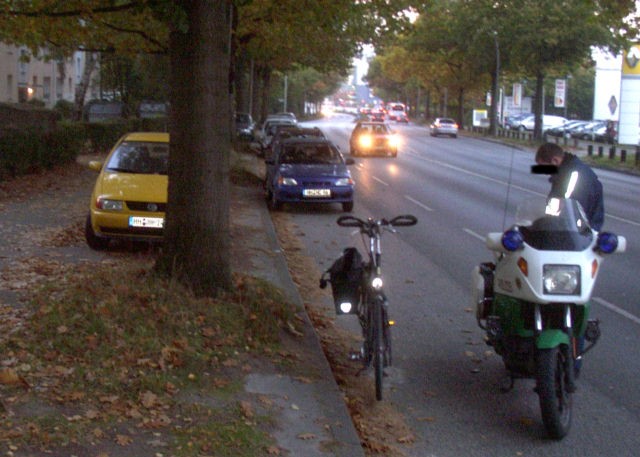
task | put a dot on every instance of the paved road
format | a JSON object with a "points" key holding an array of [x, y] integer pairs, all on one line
{"points": [[446, 379]]}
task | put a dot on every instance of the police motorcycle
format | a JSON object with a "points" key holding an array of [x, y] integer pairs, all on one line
{"points": [[533, 300]]}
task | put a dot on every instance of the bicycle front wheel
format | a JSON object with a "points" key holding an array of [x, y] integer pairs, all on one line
{"points": [[378, 346]]}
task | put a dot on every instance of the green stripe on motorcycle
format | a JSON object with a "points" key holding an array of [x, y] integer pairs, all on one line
{"points": [[551, 338]]}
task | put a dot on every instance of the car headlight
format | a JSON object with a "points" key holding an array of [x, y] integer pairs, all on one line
{"points": [[344, 182], [110, 205], [365, 141], [394, 141], [561, 279], [283, 181]]}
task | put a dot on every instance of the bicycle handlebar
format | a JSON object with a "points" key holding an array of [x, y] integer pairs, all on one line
{"points": [[352, 221]]}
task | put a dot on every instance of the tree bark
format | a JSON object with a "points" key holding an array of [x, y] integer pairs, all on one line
{"points": [[197, 236], [81, 89]]}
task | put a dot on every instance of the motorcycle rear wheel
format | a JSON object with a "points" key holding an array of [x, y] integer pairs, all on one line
{"points": [[555, 400]]}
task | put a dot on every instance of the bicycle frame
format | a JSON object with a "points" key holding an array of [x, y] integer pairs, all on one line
{"points": [[373, 312]]}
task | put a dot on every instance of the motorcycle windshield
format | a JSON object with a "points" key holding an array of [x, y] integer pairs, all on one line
{"points": [[556, 224]]}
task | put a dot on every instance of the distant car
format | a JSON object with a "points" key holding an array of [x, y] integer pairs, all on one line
{"points": [[373, 138], [444, 126], [377, 115], [513, 121], [590, 130], [244, 126], [130, 195], [564, 131], [549, 121], [308, 170], [397, 112]]}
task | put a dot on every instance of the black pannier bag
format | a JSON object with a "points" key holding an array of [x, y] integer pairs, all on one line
{"points": [[345, 276]]}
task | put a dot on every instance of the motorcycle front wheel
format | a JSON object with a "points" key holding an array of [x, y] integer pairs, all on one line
{"points": [[555, 400]]}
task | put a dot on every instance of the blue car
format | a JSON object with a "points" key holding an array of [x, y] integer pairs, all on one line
{"points": [[308, 170]]}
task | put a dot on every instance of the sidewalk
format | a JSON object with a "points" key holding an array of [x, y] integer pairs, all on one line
{"points": [[313, 419], [304, 410]]}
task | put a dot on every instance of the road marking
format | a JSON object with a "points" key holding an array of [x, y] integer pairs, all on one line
{"points": [[474, 234], [618, 310], [505, 183], [622, 219], [421, 205], [380, 180]]}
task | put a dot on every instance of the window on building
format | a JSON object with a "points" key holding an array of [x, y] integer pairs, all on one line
{"points": [[9, 88], [46, 88], [59, 88]]}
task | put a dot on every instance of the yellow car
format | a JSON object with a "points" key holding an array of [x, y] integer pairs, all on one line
{"points": [[130, 195]]}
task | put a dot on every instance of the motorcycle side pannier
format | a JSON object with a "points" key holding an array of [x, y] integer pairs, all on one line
{"points": [[345, 276]]}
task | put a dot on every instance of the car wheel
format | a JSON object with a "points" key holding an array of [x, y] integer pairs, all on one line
{"points": [[93, 241], [347, 207]]}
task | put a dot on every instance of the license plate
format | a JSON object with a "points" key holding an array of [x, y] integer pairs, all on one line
{"points": [[316, 192], [150, 222]]}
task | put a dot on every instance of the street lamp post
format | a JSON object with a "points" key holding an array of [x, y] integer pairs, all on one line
{"points": [[494, 89]]}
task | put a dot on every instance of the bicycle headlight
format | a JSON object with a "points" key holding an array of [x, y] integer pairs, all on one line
{"points": [[345, 307], [376, 283], [561, 279]]}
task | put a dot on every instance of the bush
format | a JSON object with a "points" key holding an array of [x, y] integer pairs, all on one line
{"points": [[65, 108]]}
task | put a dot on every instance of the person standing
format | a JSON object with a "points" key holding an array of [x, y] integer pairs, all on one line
{"points": [[574, 179]]}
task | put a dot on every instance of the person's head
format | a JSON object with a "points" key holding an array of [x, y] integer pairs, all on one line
{"points": [[549, 154]]}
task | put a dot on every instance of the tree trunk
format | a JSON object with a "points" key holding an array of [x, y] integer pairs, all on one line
{"points": [[81, 89], [461, 107], [265, 89], [197, 239]]}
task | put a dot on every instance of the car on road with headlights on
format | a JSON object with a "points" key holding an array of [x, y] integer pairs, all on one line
{"points": [[444, 126], [373, 138], [308, 170], [129, 198]]}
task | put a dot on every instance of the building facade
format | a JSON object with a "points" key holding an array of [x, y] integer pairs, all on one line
{"points": [[24, 78]]}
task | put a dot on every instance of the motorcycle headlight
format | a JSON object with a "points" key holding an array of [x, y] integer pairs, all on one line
{"points": [[561, 279]]}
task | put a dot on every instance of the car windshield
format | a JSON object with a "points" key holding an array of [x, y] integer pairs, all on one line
{"points": [[554, 224], [445, 120], [376, 129], [139, 157], [310, 154]]}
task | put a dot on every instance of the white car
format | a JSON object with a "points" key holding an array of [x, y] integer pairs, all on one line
{"points": [[549, 121]]}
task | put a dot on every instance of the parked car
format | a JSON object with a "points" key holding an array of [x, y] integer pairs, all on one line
{"points": [[513, 121], [549, 121], [130, 195], [269, 128], [588, 130], [444, 126], [244, 126], [285, 131], [368, 138], [308, 170], [564, 131]]}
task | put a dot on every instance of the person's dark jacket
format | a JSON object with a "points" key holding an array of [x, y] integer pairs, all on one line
{"points": [[577, 180]]}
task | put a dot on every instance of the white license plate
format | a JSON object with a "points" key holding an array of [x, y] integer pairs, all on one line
{"points": [[150, 222], [316, 192]]}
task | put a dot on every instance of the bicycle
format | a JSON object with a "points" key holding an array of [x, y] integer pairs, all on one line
{"points": [[357, 288]]}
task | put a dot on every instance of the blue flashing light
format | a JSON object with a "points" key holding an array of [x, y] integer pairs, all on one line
{"points": [[607, 242], [512, 240]]}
